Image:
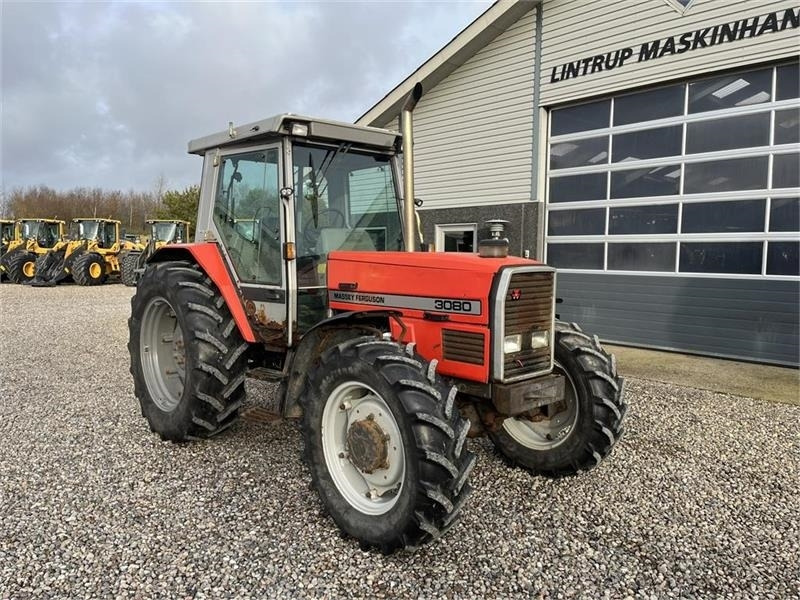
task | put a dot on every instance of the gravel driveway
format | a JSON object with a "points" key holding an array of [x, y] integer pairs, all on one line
{"points": [[699, 499]]}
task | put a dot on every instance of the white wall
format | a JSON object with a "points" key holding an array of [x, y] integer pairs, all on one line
{"points": [[473, 132], [577, 29]]}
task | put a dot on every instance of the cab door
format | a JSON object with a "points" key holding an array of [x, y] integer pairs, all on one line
{"points": [[249, 224]]}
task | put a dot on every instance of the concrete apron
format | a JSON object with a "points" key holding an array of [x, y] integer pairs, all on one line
{"points": [[765, 382]]}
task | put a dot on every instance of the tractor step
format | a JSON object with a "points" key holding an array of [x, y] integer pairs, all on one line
{"points": [[260, 414], [265, 374]]}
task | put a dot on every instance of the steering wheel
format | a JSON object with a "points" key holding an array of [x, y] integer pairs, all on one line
{"points": [[310, 234]]}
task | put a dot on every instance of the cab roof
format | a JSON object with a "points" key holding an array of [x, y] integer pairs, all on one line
{"points": [[100, 219], [281, 125]]}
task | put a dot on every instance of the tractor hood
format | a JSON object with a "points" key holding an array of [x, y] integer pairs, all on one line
{"points": [[451, 261], [419, 284]]}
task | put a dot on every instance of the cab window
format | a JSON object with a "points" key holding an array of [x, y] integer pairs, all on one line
{"points": [[246, 213]]}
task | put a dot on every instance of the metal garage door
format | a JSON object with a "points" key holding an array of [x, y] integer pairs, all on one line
{"points": [[674, 214]]}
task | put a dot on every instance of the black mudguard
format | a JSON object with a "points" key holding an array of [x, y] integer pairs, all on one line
{"points": [[315, 341]]}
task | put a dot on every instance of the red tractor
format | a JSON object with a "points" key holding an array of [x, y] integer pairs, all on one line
{"points": [[303, 272]]}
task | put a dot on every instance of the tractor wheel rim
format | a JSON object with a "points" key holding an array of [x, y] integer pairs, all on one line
{"points": [[95, 271], [354, 412], [548, 433], [162, 354], [29, 268]]}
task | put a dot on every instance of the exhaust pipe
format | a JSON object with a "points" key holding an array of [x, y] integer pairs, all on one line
{"points": [[409, 215]]}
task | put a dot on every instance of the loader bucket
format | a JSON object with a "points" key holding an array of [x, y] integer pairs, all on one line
{"points": [[51, 270]]}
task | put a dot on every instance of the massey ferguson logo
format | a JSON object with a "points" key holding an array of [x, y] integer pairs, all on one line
{"points": [[516, 294]]}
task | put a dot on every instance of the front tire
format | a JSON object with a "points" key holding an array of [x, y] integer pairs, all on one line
{"points": [[89, 269], [20, 266], [188, 359], [385, 444], [127, 268], [575, 434]]}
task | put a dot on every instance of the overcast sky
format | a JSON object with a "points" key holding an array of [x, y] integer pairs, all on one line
{"points": [[108, 95]]}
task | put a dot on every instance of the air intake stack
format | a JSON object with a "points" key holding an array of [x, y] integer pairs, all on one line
{"points": [[406, 124]]}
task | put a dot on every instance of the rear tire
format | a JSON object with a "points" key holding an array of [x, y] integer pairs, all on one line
{"points": [[127, 268], [410, 483], [583, 432], [20, 266], [188, 359], [89, 269]]}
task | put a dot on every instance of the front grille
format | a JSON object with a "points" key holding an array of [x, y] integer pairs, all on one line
{"points": [[528, 308], [462, 346]]}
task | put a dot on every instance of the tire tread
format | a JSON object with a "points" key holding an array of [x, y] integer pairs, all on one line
{"points": [[217, 379], [598, 370], [438, 431]]}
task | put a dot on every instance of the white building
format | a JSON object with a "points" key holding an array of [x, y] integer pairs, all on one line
{"points": [[649, 149]]}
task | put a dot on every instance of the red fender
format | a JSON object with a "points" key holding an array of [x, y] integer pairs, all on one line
{"points": [[209, 257]]}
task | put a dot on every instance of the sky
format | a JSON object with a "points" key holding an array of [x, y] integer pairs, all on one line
{"points": [[108, 94]]}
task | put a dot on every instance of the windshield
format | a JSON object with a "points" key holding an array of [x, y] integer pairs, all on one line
{"points": [[30, 229], [164, 232], [84, 230], [48, 234], [345, 200], [7, 231]]}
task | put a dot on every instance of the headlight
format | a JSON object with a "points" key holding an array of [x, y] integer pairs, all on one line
{"points": [[512, 343], [540, 339], [300, 129]]}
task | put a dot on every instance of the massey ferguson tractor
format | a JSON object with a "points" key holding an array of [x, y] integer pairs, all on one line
{"points": [[304, 272]]}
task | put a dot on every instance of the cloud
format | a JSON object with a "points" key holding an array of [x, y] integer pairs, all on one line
{"points": [[109, 94]]}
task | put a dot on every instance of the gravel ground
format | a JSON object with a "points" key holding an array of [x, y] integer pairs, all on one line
{"points": [[699, 499]]}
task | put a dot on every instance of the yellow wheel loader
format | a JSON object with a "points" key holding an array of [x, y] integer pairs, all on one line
{"points": [[90, 257], [6, 234], [162, 232], [32, 238]]}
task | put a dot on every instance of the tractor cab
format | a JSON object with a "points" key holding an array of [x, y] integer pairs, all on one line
{"points": [[102, 231], [45, 232], [281, 194], [168, 232]]}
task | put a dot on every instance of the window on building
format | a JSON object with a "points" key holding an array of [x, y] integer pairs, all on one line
{"points": [[459, 237], [643, 220], [701, 177], [589, 221], [784, 214]]}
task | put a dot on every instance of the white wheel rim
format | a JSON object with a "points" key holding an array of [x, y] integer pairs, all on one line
{"points": [[162, 354], [549, 433], [370, 493]]}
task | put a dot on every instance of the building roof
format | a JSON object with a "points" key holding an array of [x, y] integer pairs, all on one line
{"points": [[495, 20], [282, 125]]}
